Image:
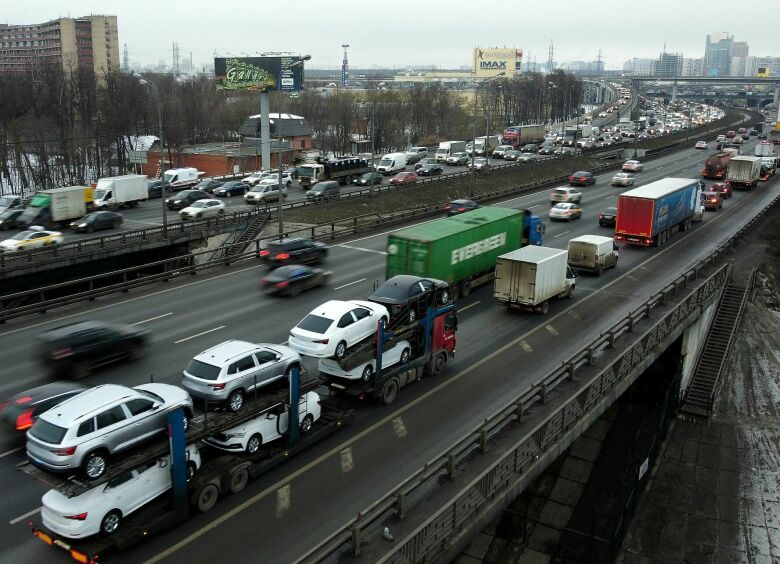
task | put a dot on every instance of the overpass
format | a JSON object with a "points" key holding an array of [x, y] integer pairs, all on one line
{"points": [[676, 80]]}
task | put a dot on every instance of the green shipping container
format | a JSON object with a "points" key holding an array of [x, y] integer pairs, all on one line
{"points": [[457, 247]]}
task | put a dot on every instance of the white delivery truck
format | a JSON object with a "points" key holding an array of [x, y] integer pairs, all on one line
{"points": [[181, 178], [765, 149], [57, 206], [391, 163], [484, 145], [529, 277], [120, 191], [448, 148], [593, 253], [744, 171]]}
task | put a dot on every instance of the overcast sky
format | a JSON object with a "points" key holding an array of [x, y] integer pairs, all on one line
{"points": [[399, 33]]}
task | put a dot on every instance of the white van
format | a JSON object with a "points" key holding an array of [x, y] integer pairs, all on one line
{"points": [[391, 163], [179, 178]]}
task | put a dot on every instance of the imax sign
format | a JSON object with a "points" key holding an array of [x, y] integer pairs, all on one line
{"points": [[493, 65]]}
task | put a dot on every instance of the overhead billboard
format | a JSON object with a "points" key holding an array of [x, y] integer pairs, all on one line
{"points": [[490, 62], [259, 73]]}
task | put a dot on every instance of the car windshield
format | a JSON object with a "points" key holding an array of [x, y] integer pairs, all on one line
{"points": [[198, 204], [561, 206], [610, 210], [392, 291], [47, 432], [315, 323], [305, 172], [203, 370], [22, 235], [6, 201]]}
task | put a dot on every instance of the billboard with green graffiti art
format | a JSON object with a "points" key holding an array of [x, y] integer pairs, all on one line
{"points": [[259, 73]]}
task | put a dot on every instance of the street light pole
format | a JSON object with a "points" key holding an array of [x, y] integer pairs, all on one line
{"points": [[477, 86], [153, 86]]}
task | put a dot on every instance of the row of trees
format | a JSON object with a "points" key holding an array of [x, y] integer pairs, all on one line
{"points": [[61, 127]]}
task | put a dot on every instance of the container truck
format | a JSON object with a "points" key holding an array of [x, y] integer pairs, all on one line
{"points": [[57, 206], [765, 149], [715, 166], [342, 169], [650, 214], [120, 191], [593, 253], [530, 277], [448, 148], [484, 145], [219, 474], [519, 135], [461, 249], [744, 172]]}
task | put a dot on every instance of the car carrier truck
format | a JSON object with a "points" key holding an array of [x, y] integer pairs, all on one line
{"points": [[462, 249], [650, 214], [219, 474]]}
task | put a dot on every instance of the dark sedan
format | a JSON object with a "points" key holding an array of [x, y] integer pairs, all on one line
{"points": [[20, 412], [547, 150], [410, 295], [293, 279], [208, 185], [96, 221], [368, 179], [456, 207], [511, 155], [8, 218], [582, 178], [723, 188], [232, 188], [79, 348], [429, 170], [293, 250], [154, 188], [607, 217], [184, 198]]}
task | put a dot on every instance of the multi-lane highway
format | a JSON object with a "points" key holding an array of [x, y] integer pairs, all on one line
{"points": [[292, 508]]}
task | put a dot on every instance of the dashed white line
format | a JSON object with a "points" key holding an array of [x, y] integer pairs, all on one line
{"points": [[347, 464], [350, 284], [559, 234], [464, 308], [282, 500], [25, 516], [199, 334], [552, 330], [13, 450], [152, 318]]}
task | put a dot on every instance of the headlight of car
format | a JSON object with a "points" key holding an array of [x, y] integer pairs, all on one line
{"points": [[82, 224], [235, 435]]}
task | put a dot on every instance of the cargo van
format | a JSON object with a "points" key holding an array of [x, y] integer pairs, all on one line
{"points": [[593, 253], [178, 178], [391, 163]]}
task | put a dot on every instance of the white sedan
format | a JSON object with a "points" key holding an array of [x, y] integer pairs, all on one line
{"points": [[330, 329], [102, 508], [255, 177], [266, 427], [633, 166], [565, 212], [203, 208], [399, 354], [622, 179], [33, 238]]}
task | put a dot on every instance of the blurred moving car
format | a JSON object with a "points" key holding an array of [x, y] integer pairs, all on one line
{"points": [[8, 218], [184, 198], [263, 192], [232, 188], [700, 145], [458, 159], [424, 162], [711, 200], [582, 178], [368, 179], [633, 166], [404, 178], [723, 188], [21, 411], [97, 220], [78, 348], [459, 206], [432, 169], [202, 209], [208, 185], [33, 238], [565, 194], [292, 279], [622, 179], [481, 164], [565, 211], [526, 158], [608, 217], [327, 190], [155, 188], [511, 155], [293, 250]]}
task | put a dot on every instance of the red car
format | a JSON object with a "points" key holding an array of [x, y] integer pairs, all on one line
{"points": [[723, 188], [404, 178], [582, 178]]}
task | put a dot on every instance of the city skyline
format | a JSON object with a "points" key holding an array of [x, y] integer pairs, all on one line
{"points": [[449, 41]]}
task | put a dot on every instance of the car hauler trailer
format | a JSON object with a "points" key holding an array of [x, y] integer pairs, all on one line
{"points": [[218, 474]]}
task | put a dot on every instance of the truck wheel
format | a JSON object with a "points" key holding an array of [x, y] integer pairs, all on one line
{"points": [[207, 498], [599, 270], [542, 308], [389, 391], [439, 362], [238, 479], [465, 288]]}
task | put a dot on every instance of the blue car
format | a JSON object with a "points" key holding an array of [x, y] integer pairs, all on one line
{"points": [[232, 188]]}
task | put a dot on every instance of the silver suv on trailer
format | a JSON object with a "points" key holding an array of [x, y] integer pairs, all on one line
{"points": [[84, 431], [226, 372]]}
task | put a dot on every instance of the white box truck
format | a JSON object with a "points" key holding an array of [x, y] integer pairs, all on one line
{"points": [[120, 191], [593, 253], [765, 149], [447, 148], [484, 145], [530, 277], [391, 163], [57, 206], [744, 171]]}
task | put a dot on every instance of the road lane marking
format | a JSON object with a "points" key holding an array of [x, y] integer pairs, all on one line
{"points": [[609, 197], [350, 284], [399, 427], [13, 450], [25, 516], [347, 464], [282, 500], [143, 297], [552, 330], [362, 249], [199, 334], [559, 234], [152, 319], [525, 346], [534, 206], [464, 308], [347, 444]]}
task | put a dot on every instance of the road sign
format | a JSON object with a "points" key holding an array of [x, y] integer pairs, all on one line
{"points": [[137, 157]]}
